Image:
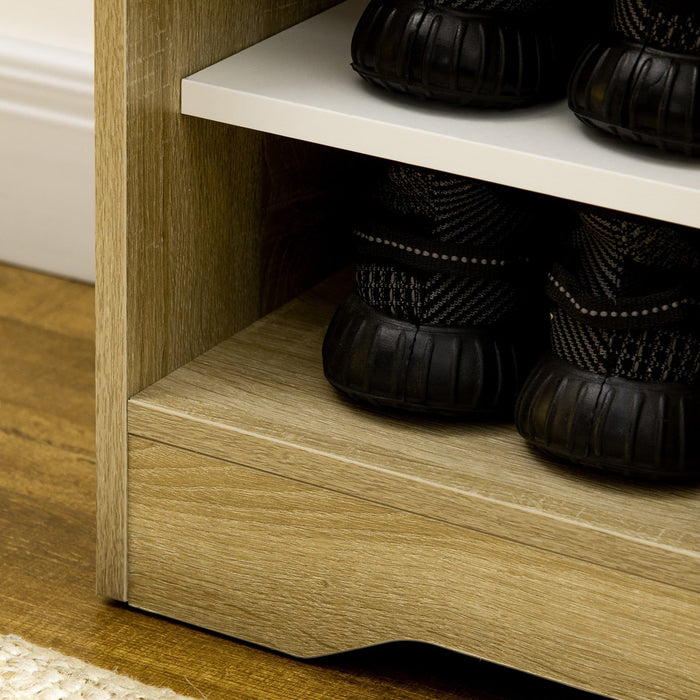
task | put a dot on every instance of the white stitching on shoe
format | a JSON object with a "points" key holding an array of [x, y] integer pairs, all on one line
{"points": [[614, 314], [430, 254]]}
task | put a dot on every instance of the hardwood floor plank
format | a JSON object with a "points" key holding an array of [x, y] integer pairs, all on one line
{"points": [[47, 302], [47, 544]]}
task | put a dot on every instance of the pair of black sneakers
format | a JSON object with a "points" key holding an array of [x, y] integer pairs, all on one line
{"points": [[461, 282], [463, 286], [637, 78]]}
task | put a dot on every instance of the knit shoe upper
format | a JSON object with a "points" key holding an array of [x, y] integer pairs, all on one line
{"points": [[630, 300], [445, 250], [670, 25], [514, 7]]}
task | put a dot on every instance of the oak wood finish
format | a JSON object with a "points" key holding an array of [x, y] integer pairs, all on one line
{"points": [[184, 235], [311, 572], [47, 547], [260, 399], [314, 526], [410, 529]]}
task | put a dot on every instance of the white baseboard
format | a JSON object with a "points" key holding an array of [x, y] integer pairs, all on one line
{"points": [[47, 159]]}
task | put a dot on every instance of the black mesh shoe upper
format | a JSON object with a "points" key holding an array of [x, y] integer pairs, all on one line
{"points": [[670, 25], [627, 299], [445, 250], [516, 7]]}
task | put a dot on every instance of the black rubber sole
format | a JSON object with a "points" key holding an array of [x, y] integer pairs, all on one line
{"points": [[640, 429], [462, 372], [639, 94], [457, 57]]}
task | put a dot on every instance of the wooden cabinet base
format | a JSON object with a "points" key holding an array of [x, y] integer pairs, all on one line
{"points": [[309, 572], [265, 506]]}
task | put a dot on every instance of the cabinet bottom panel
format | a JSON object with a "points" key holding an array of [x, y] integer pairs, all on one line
{"points": [[308, 571]]}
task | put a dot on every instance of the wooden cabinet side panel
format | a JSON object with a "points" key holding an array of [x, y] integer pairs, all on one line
{"points": [[180, 223], [309, 571], [110, 297]]}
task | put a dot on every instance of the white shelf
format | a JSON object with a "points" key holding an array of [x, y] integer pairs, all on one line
{"points": [[299, 83]]}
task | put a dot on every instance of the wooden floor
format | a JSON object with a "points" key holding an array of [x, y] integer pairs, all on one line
{"points": [[47, 543]]}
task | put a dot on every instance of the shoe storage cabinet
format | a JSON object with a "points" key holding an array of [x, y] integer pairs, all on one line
{"points": [[236, 490]]}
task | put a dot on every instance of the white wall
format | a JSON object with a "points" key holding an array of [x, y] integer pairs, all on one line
{"points": [[65, 24], [47, 136]]}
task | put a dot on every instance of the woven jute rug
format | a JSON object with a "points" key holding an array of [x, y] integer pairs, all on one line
{"points": [[31, 672]]}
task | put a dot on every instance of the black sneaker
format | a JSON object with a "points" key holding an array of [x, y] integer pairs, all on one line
{"points": [[448, 306], [641, 81], [482, 53], [621, 389]]}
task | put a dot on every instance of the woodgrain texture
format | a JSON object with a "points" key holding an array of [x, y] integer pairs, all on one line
{"points": [[292, 518], [184, 234], [47, 545], [198, 194], [111, 295], [451, 534], [260, 399], [310, 572]]}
